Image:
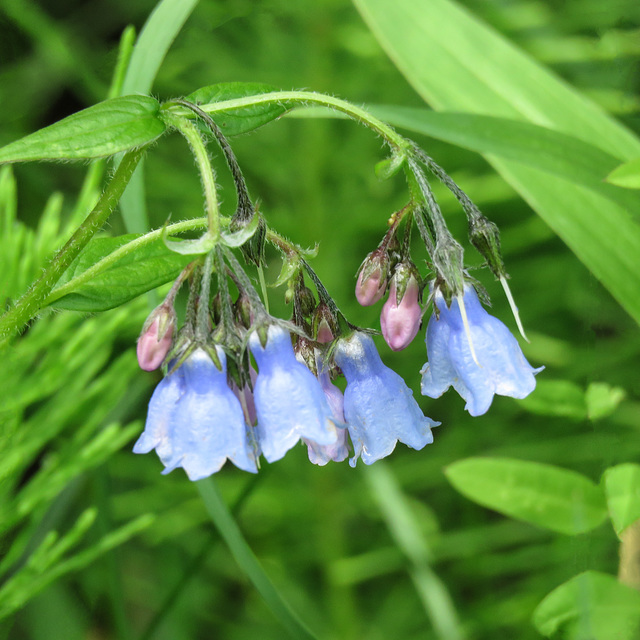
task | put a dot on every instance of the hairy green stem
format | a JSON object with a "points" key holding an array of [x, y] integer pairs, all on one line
{"points": [[207, 174], [302, 98], [244, 201], [120, 252], [33, 300]]}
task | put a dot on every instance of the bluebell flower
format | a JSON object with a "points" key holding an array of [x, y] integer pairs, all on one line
{"points": [[290, 403], [321, 454], [495, 363], [379, 408], [195, 421]]}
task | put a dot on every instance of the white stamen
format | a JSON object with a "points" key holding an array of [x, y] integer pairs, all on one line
{"points": [[467, 330], [512, 304]]}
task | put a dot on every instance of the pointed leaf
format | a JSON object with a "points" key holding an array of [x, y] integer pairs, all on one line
{"points": [[622, 488], [146, 267], [557, 398], [592, 606], [626, 175], [547, 496], [104, 129], [233, 122]]}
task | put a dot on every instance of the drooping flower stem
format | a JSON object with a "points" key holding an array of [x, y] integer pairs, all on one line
{"points": [[306, 98], [225, 296], [207, 173], [469, 207], [257, 305], [432, 207], [325, 297], [202, 320], [244, 201], [34, 299]]}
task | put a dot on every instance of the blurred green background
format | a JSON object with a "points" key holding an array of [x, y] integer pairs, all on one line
{"points": [[319, 532]]}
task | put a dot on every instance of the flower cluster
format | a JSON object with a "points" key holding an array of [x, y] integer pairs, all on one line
{"points": [[241, 385], [197, 419]]}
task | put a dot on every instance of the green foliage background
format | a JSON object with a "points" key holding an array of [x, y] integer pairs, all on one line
{"points": [[364, 553]]}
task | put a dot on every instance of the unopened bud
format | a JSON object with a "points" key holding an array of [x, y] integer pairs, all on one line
{"points": [[306, 301], [485, 237], [243, 312], [372, 279], [156, 338], [400, 319], [448, 262], [305, 353], [324, 324]]}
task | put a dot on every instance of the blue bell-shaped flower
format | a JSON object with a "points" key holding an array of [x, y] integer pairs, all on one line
{"points": [[290, 403], [195, 421], [492, 363], [322, 454], [379, 408]]}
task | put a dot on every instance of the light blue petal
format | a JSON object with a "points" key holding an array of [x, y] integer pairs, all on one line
{"points": [[290, 403], [160, 414], [438, 373], [500, 368], [197, 421], [378, 406]]}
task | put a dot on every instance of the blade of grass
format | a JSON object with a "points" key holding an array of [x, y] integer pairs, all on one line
{"points": [[247, 561], [193, 568], [156, 37], [406, 533]]}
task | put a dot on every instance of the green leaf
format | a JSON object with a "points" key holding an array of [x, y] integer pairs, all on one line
{"points": [[104, 129], [471, 68], [590, 606], [626, 175], [233, 122], [622, 488], [547, 496], [140, 270], [557, 398], [603, 399], [539, 147], [156, 37]]}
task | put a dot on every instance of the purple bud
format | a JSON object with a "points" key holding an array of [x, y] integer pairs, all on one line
{"points": [[372, 279], [324, 323], [401, 321], [154, 343]]}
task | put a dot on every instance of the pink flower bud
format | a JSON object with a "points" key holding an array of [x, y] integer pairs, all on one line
{"points": [[371, 289], [324, 332], [401, 322], [156, 339], [372, 279]]}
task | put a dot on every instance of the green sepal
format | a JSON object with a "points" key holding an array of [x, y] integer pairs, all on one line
{"points": [[388, 167], [196, 247], [238, 238]]}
